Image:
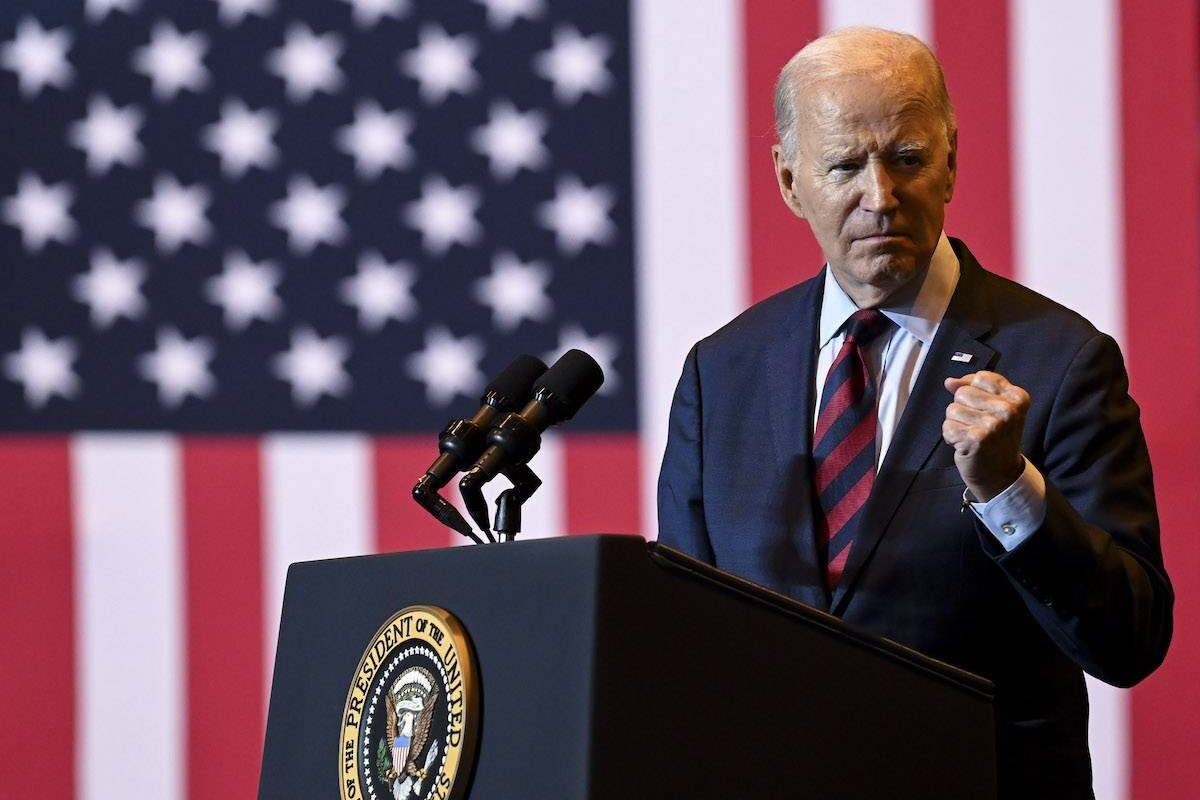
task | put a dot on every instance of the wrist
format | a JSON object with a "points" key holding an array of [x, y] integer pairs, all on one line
{"points": [[983, 493]]}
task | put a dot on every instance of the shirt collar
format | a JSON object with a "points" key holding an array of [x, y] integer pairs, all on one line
{"points": [[917, 308]]}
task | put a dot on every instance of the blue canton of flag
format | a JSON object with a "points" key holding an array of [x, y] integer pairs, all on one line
{"points": [[325, 214]]}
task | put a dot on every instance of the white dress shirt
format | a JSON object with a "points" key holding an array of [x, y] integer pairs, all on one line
{"points": [[894, 363]]}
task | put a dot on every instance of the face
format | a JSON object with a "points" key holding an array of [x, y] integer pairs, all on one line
{"points": [[872, 175]]}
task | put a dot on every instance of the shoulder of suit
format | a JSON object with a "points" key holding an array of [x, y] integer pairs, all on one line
{"points": [[1017, 309], [762, 320]]}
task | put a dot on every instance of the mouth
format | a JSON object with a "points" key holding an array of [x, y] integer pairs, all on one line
{"points": [[881, 238]]}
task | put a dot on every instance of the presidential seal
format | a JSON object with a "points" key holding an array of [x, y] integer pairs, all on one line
{"points": [[408, 730]]}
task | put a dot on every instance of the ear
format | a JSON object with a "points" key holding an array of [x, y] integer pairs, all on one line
{"points": [[951, 166], [786, 179]]}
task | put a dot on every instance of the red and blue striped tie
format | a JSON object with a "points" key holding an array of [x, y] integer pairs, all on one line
{"points": [[844, 445]]}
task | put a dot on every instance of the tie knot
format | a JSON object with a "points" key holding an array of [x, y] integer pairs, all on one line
{"points": [[866, 324]]}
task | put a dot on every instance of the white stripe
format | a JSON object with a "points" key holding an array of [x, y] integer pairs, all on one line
{"points": [[689, 135], [544, 514], [1108, 739], [909, 16], [318, 503], [1066, 155], [1066, 115], [128, 587]]}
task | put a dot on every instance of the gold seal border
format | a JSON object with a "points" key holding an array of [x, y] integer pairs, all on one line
{"points": [[459, 761]]}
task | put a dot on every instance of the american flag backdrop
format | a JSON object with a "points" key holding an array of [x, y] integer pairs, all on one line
{"points": [[256, 253]]}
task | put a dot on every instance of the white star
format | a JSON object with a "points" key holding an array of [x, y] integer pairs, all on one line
{"points": [[38, 56], [514, 291], [502, 13], [447, 366], [179, 367], [43, 367], [602, 347], [40, 211], [173, 61], [310, 214], [444, 215], [108, 135], [175, 213], [245, 290], [376, 139], [313, 366], [232, 12], [578, 214], [367, 13], [97, 10], [441, 64], [511, 140], [307, 63], [575, 64], [380, 291], [111, 288], [242, 138]]}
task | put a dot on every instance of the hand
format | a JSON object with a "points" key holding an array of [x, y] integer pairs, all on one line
{"points": [[984, 424]]}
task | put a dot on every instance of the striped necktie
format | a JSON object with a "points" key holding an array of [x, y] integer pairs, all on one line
{"points": [[844, 444]]}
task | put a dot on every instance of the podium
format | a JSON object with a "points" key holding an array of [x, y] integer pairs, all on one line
{"points": [[613, 668]]}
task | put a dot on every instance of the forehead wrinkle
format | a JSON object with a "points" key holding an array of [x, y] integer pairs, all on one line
{"points": [[825, 115]]}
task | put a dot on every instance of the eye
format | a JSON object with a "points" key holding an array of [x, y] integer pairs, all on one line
{"points": [[844, 166], [910, 160]]}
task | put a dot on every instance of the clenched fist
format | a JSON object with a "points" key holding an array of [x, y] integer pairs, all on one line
{"points": [[984, 425]]}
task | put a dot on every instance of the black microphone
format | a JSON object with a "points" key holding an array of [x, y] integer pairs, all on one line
{"points": [[463, 440], [557, 396]]}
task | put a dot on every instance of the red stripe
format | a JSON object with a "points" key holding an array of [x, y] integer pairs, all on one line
{"points": [[401, 524], [1160, 93], [833, 572], [602, 483], [851, 502], [223, 520], [846, 451], [841, 400], [972, 43], [37, 637], [781, 249]]}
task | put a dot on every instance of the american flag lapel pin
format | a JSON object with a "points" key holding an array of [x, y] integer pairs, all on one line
{"points": [[961, 356]]}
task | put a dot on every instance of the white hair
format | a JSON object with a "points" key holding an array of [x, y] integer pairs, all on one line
{"points": [[850, 52]]}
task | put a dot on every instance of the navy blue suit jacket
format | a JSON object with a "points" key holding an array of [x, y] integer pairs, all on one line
{"points": [[1086, 591]]}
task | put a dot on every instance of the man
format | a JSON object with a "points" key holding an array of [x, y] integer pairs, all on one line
{"points": [[929, 451]]}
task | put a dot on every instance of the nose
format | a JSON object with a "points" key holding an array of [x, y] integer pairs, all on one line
{"points": [[879, 190]]}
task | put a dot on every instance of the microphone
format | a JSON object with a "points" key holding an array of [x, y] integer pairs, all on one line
{"points": [[557, 396], [463, 440]]}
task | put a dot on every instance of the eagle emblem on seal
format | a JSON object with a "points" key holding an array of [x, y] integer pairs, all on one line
{"points": [[410, 703]]}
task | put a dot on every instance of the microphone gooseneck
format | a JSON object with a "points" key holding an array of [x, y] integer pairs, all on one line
{"points": [[557, 396], [463, 440]]}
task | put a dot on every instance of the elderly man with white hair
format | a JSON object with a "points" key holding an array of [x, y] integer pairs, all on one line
{"points": [[925, 449]]}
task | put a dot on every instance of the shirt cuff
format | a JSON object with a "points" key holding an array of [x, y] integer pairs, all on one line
{"points": [[1014, 514]]}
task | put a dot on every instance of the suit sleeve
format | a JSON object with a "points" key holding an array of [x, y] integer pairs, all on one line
{"points": [[680, 487], [1093, 574]]}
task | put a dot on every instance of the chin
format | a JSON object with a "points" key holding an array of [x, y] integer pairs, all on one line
{"points": [[888, 271]]}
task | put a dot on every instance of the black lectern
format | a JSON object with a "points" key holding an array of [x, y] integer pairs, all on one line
{"points": [[609, 668]]}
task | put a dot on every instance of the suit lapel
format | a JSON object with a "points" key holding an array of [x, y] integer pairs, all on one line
{"points": [[967, 318], [791, 361]]}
